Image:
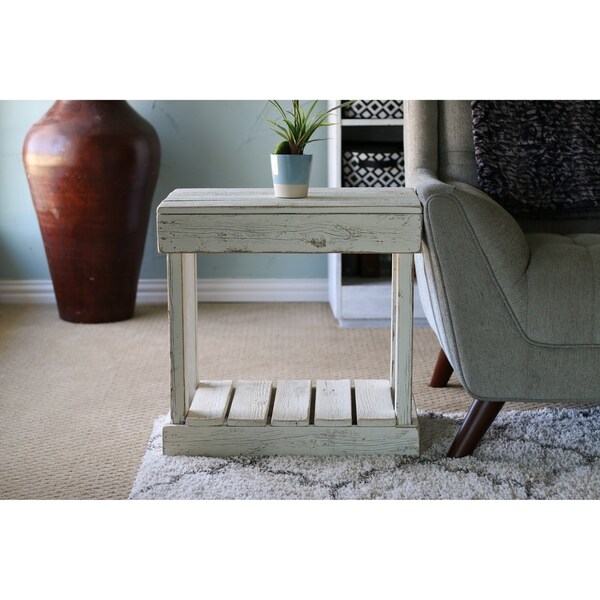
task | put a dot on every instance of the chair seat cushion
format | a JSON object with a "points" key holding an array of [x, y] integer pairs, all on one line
{"points": [[563, 288]]}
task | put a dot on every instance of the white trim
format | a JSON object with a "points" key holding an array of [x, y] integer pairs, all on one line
{"points": [[152, 291], [33, 291], [262, 290]]}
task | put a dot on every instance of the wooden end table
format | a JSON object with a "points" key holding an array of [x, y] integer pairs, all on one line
{"points": [[325, 417]]}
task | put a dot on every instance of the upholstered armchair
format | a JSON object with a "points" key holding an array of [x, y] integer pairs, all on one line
{"points": [[509, 275]]}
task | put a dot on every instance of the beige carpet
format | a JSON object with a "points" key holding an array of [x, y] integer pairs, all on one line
{"points": [[78, 402]]}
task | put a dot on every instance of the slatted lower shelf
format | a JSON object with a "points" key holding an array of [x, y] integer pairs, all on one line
{"points": [[292, 417]]}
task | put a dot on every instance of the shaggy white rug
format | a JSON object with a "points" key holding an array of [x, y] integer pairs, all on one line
{"points": [[536, 454]]}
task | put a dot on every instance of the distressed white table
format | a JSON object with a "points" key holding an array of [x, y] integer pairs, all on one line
{"points": [[338, 417]]}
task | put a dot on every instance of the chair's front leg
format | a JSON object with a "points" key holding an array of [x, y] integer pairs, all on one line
{"points": [[478, 420]]}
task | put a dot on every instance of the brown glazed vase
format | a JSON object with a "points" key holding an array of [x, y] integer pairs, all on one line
{"points": [[92, 168]]}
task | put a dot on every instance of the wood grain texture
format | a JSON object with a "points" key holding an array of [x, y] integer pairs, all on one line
{"points": [[206, 200], [210, 403], [401, 336], [344, 220], [292, 403], [182, 304], [374, 405], [250, 404], [333, 403], [318, 232], [289, 441]]}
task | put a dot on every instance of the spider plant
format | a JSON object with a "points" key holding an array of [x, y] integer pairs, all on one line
{"points": [[298, 125]]}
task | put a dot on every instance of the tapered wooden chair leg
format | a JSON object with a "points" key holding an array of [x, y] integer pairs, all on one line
{"points": [[478, 420], [442, 372]]}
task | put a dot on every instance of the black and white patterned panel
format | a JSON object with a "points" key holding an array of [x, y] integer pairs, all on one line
{"points": [[372, 169], [374, 109]]}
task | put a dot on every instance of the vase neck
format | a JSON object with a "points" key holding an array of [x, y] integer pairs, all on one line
{"points": [[104, 107]]}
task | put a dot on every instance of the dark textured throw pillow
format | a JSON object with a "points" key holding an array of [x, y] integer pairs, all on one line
{"points": [[538, 157]]}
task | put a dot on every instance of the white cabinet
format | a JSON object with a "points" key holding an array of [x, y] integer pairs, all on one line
{"points": [[359, 286]]}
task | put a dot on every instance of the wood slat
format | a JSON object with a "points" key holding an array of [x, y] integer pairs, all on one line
{"points": [[292, 403], [182, 303], [401, 336], [374, 405], [298, 441], [289, 233], [333, 403], [207, 200], [250, 404], [210, 403]]}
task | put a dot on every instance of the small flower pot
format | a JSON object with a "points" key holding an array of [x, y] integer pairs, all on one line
{"points": [[291, 174]]}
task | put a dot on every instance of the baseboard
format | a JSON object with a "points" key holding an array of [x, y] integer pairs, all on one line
{"points": [[154, 291], [33, 291]]}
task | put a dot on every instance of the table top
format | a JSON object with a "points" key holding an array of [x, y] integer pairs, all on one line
{"points": [[326, 200]]}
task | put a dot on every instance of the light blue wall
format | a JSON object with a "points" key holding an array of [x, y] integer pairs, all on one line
{"points": [[204, 144]]}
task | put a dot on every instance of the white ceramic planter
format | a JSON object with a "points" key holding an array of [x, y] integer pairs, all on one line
{"points": [[291, 174]]}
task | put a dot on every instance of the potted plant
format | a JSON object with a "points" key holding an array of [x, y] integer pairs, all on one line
{"points": [[289, 165]]}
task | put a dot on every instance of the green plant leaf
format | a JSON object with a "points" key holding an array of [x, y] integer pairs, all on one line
{"points": [[297, 126]]}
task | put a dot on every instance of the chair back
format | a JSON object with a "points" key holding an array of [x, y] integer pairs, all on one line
{"points": [[438, 141]]}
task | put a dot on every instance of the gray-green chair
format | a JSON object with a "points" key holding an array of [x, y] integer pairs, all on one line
{"points": [[510, 285]]}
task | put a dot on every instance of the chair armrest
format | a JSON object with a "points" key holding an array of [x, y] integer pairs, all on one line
{"points": [[476, 258], [477, 219]]}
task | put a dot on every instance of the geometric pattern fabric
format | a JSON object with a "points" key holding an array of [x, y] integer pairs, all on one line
{"points": [[374, 109], [372, 169]]}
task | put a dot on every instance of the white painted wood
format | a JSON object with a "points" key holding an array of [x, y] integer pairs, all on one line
{"points": [[290, 233], [210, 403], [333, 403], [192, 201], [292, 403], [364, 323], [190, 326], [250, 404], [334, 269], [374, 405], [334, 147], [357, 220], [372, 122], [154, 291], [182, 302], [369, 304], [367, 300], [32, 291], [355, 308], [262, 290], [295, 441], [401, 336], [395, 325]]}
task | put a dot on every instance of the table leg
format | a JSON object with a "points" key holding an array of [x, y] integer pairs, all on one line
{"points": [[402, 330], [183, 307]]}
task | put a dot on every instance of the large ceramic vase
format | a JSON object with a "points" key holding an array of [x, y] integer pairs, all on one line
{"points": [[92, 168]]}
